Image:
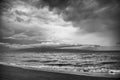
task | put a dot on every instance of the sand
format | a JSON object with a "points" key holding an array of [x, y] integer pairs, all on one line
{"points": [[17, 73]]}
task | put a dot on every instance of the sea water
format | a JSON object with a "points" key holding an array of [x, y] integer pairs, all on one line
{"points": [[102, 62]]}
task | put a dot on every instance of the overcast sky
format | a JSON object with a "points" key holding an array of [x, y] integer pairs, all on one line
{"points": [[69, 21]]}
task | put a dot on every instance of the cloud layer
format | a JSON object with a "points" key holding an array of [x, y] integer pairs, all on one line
{"points": [[81, 21]]}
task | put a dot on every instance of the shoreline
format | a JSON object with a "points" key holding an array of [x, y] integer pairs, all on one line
{"points": [[8, 72]]}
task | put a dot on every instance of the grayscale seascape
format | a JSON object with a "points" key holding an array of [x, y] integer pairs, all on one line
{"points": [[59, 39]]}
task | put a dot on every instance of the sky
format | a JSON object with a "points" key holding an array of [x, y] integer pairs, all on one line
{"points": [[63, 21]]}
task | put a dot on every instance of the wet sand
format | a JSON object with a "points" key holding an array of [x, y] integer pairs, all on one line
{"points": [[16, 73]]}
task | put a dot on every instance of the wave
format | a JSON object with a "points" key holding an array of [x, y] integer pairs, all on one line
{"points": [[39, 61]]}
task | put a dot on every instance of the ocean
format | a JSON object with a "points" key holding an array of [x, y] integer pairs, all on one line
{"points": [[102, 62]]}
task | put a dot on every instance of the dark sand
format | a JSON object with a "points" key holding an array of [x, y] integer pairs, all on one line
{"points": [[16, 73]]}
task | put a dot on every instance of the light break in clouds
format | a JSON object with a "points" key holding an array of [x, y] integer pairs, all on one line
{"points": [[69, 21]]}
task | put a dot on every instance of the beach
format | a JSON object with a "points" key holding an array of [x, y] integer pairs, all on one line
{"points": [[16, 73]]}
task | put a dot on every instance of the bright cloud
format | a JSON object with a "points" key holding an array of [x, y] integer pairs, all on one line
{"points": [[27, 21]]}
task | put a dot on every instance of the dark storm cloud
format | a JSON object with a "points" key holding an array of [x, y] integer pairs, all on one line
{"points": [[77, 11], [90, 16]]}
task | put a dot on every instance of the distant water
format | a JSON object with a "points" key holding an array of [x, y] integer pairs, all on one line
{"points": [[77, 62]]}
